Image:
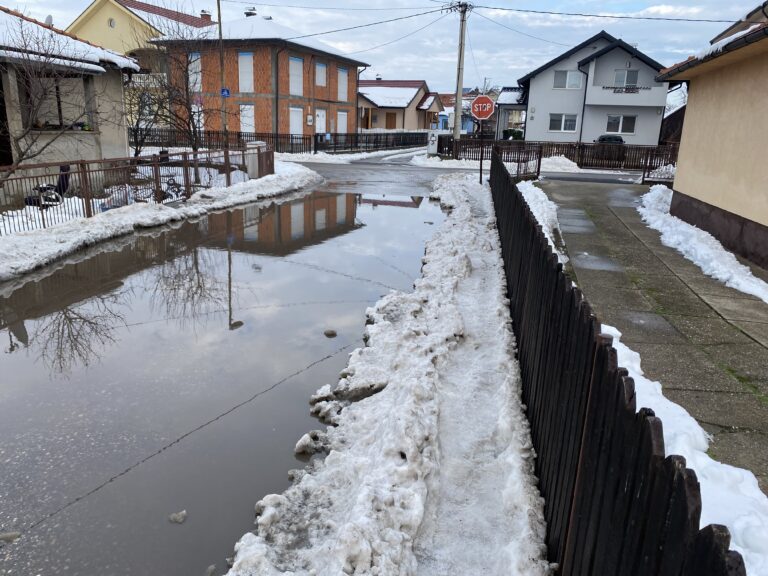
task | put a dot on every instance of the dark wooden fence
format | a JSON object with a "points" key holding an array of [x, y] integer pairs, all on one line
{"points": [[290, 143], [614, 504], [606, 156]]}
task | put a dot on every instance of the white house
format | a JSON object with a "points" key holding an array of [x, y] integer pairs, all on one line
{"points": [[601, 86]]}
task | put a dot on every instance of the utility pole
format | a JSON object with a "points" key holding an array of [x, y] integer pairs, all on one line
{"points": [[462, 8], [227, 175]]}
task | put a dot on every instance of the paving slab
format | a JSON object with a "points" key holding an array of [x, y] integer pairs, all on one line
{"points": [[726, 409], [738, 308], [746, 361], [756, 330], [638, 327], [738, 448], [703, 331], [706, 286]]}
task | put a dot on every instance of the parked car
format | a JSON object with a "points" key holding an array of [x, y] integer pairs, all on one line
{"points": [[610, 147]]}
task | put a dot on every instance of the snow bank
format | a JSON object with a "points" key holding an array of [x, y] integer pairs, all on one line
{"points": [[545, 212], [666, 172], [360, 509], [729, 495], [698, 246], [25, 251], [340, 158]]}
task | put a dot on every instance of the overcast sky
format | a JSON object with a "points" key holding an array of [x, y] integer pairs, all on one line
{"points": [[493, 51]]}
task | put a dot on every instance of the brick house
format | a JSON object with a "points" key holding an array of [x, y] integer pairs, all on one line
{"points": [[278, 82]]}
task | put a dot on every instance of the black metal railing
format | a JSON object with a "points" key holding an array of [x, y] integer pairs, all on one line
{"points": [[614, 504]]}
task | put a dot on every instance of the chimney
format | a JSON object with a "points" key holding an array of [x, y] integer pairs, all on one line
{"points": [[378, 77], [250, 12], [205, 15]]}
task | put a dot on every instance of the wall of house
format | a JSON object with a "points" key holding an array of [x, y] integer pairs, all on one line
{"points": [[607, 64], [722, 151], [263, 96], [647, 123], [379, 117], [111, 121], [128, 34], [544, 99]]}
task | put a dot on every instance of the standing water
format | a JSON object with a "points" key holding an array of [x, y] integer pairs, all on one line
{"points": [[170, 371]]}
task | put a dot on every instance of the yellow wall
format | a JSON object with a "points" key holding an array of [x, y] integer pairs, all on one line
{"points": [[722, 157], [129, 33]]}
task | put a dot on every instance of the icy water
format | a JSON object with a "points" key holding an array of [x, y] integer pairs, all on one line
{"points": [[171, 371]]}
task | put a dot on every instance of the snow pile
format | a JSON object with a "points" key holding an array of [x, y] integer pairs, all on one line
{"points": [[339, 158], [25, 251], [558, 164], [698, 246], [718, 46], [729, 495], [436, 162], [387, 497], [664, 172], [545, 212]]}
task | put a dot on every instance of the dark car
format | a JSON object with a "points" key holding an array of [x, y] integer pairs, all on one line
{"points": [[610, 147]]}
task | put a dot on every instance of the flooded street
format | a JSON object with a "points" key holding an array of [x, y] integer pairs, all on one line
{"points": [[171, 370]]}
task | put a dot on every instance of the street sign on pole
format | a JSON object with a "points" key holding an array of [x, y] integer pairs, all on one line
{"points": [[482, 109], [225, 92]]}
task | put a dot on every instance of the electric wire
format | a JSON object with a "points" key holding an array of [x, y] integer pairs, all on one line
{"points": [[369, 24], [344, 8], [436, 20], [520, 31], [610, 16]]}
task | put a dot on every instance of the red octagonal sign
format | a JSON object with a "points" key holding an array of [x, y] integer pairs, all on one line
{"points": [[482, 107]]}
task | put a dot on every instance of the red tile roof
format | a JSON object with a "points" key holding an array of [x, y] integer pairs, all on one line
{"points": [[188, 19]]}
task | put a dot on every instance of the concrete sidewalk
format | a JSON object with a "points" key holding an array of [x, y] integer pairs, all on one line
{"points": [[706, 343]]}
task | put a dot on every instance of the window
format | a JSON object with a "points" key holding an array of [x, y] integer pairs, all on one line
{"points": [[320, 219], [625, 77], [568, 79], [245, 71], [297, 220], [343, 83], [341, 126], [562, 122], [618, 124], [341, 209], [195, 72], [321, 73], [247, 118], [296, 76]]}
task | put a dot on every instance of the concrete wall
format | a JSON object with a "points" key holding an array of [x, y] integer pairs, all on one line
{"points": [[722, 151]]}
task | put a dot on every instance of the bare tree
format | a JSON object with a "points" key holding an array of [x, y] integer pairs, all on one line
{"points": [[49, 80], [145, 109]]}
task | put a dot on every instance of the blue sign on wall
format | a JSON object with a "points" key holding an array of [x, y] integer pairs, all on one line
{"points": [[225, 92]]}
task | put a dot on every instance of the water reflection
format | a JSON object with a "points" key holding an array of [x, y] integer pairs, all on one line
{"points": [[81, 305]]}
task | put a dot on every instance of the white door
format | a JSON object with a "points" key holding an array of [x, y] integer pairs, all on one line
{"points": [[341, 126], [297, 121], [319, 121], [247, 118]]}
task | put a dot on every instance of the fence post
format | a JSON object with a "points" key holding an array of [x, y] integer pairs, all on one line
{"points": [[156, 177], [227, 165], [86, 186], [538, 160], [645, 165], [185, 171]]}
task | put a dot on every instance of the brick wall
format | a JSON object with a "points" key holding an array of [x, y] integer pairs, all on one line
{"points": [[314, 97]]}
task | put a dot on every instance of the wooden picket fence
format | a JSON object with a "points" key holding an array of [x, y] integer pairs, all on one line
{"points": [[614, 504]]}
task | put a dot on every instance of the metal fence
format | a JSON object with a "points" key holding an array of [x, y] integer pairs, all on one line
{"points": [[41, 195], [614, 504], [291, 143], [585, 155]]}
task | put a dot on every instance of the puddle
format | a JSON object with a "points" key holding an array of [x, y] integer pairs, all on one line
{"points": [[575, 221], [623, 198], [173, 373], [591, 262]]}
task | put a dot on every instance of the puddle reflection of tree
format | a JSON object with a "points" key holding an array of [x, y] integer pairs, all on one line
{"points": [[76, 335]]}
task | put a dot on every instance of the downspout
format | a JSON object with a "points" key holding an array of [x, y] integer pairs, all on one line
{"points": [[276, 81], [357, 98], [584, 103]]}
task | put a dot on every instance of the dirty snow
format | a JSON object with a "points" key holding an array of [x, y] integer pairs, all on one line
{"points": [[443, 484], [729, 495], [698, 246], [563, 164], [338, 158], [545, 212], [666, 172], [25, 251]]}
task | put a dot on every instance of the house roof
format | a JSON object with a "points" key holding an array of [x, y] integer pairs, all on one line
{"points": [[64, 49], [391, 93], [510, 95], [739, 40], [602, 35], [143, 9], [429, 99], [629, 49], [259, 29], [752, 17]]}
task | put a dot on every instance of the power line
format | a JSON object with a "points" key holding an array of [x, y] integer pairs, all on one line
{"points": [[472, 52], [345, 8], [401, 37], [365, 25], [611, 16], [521, 32]]}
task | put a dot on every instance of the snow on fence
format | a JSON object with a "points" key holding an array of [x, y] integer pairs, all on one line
{"points": [[288, 143], [615, 505], [42, 195], [585, 155]]}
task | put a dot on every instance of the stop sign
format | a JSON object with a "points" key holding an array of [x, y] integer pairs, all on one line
{"points": [[482, 107]]}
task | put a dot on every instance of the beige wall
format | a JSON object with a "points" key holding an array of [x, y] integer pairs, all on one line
{"points": [[722, 151], [129, 33]]}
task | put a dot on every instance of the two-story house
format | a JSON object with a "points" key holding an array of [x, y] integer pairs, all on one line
{"points": [[278, 80], [602, 86]]}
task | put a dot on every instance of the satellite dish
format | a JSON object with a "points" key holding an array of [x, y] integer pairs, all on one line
{"points": [[49, 20]]}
